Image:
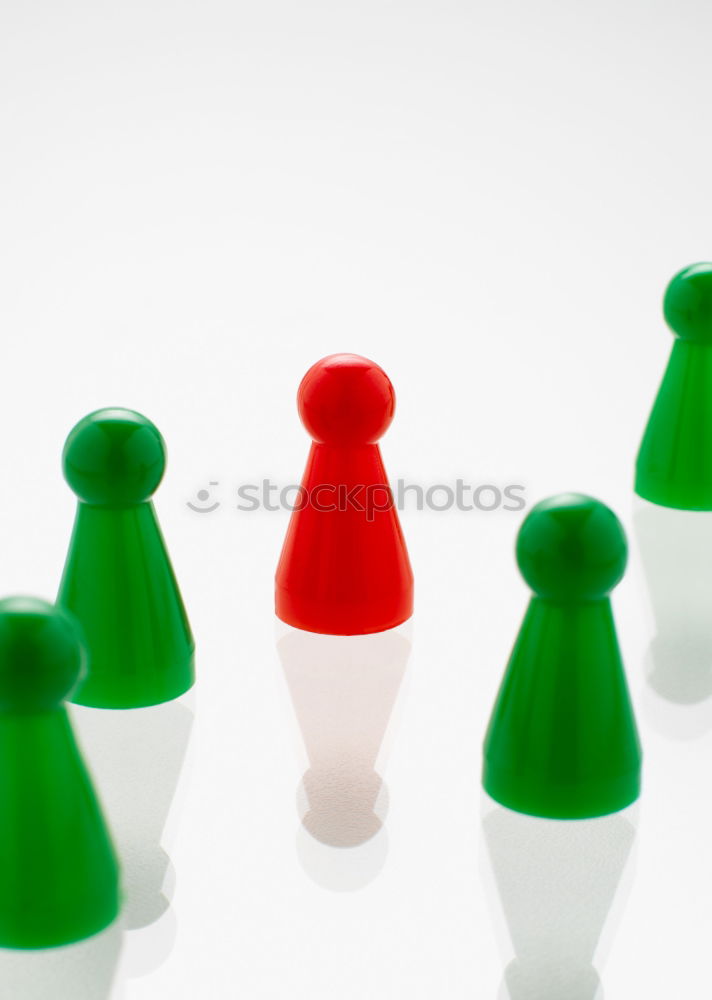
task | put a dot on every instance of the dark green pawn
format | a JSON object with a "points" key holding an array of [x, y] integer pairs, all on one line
{"points": [[674, 466], [562, 741], [118, 581], [58, 870]]}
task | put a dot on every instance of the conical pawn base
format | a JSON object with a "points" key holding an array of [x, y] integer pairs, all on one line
{"points": [[562, 741], [674, 466], [361, 581], [58, 869], [119, 584], [59, 873]]}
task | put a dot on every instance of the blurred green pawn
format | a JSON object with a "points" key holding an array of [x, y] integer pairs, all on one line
{"points": [[674, 466], [562, 741], [118, 580], [58, 871]]}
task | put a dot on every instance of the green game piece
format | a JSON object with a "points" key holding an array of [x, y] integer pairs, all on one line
{"points": [[59, 878], [674, 466], [562, 740], [118, 581]]}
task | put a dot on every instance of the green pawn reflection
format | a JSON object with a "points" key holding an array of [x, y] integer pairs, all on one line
{"points": [[674, 466], [562, 741], [58, 870], [118, 581]]}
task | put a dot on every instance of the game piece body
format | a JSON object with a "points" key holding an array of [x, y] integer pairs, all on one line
{"points": [[562, 740], [344, 568], [118, 580], [674, 465], [58, 870]]}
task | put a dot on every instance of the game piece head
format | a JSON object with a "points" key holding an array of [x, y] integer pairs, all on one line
{"points": [[41, 655], [347, 400], [688, 304], [571, 548], [114, 457]]}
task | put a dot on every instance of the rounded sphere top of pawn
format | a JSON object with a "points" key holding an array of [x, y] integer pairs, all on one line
{"points": [[345, 399], [688, 304], [571, 548], [41, 655], [114, 457]]}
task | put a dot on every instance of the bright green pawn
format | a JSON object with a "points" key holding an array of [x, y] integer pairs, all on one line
{"points": [[118, 581], [562, 741], [59, 879], [674, 466]]}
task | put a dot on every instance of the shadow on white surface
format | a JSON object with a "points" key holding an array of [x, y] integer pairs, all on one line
{"points": [[83, 971], [556, 883], [676, 554], [136, 758], [343, 689]]}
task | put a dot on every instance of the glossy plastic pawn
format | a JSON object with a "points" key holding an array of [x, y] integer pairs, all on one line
{"points": [[562, 741], [58, 871], [674, 466], [118, 580], [344, 568]]}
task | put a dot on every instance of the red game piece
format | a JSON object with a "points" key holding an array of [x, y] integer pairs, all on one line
{"points": [[344, 568]]}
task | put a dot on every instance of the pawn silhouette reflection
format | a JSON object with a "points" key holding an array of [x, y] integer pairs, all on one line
{"points": [[343, 689], [556, 882], [137, 758], [675, 548], [144, 951], [83, 971]]}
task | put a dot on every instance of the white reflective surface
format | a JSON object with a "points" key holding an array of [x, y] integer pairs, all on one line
{"points": [[200, 199]]}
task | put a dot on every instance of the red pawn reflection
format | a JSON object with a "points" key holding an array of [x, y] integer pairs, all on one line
{"points": [[344, 568]]}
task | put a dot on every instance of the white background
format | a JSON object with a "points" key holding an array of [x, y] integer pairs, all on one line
{"points": [[201, 199]]}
